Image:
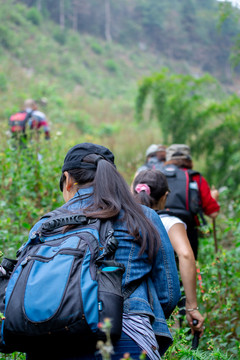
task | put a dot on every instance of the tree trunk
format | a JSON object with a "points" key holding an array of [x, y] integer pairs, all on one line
{"points": [[75, 15], [61, 14], [108, 36], [39, 5]]}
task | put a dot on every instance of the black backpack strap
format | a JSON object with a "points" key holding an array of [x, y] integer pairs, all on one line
{"points": [[62, 217], [130, 288], [192, 172], [165, 212], [60, 221], [27, 118]]}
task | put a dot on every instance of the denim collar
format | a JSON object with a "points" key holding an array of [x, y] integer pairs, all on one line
{"points": [[82, 196], [84, 191]]}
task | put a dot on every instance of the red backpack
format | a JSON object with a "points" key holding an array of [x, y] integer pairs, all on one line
{"points": [[18, 121]]}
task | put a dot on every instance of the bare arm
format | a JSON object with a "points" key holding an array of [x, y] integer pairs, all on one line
{"points": [[214, 215], [187, 268]]}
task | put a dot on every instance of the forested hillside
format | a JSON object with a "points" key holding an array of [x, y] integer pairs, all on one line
{"points": [[127, 74], [89, 79], [182, 30]]}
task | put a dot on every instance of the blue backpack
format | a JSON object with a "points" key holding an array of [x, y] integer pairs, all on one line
{"points": [[65, 282]]}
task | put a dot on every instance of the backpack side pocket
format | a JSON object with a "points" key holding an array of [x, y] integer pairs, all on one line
{"points": [[110, 298]]}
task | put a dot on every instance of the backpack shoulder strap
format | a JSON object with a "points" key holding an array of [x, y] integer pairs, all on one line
{"points": [[63, 217], [165, 212], [28, 117], [191, 173], [130, 288]]}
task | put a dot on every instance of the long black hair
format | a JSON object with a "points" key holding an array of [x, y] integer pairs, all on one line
{"points": [[111, 195], [157, 183]]}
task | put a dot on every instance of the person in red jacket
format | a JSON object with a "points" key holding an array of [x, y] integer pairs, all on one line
{"points": [[180, 156]]}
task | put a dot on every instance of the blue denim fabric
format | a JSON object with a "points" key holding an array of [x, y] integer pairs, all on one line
{"points": [[125, 344], [163, 281]]}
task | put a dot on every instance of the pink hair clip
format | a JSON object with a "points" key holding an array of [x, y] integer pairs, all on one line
{"points": [[143, 187]]}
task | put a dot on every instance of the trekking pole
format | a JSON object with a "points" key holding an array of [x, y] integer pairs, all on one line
{"points": [[195, 340], [215, 235], [216, 248]]}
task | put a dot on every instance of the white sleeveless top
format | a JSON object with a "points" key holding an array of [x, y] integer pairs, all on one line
{"points": [[168, 221]]}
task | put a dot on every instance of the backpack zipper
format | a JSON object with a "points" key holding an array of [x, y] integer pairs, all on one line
{"points": [[65, 251]]}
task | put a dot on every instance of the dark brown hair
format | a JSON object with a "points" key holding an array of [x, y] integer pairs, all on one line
{"points": [[111, 195], [181, 163], [157, 183]]}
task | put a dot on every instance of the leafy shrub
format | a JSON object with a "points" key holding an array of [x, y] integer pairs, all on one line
{"points": [[18, 15], [5, 37], [26, 192], [29, 189], [81, 120], [181, 349], [75, 76], [111, 65], [108, 129], [3, 82], [96, 48], [220, 300], [19, 53], [60, 36], [34, 16]]}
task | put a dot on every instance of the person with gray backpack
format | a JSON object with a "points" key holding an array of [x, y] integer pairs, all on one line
{"points": [[100, 255], [155, 158]]}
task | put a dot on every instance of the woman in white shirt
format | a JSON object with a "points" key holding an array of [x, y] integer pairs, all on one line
{"points": [[150, 188]]}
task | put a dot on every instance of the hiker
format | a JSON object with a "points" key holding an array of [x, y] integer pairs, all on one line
{"points": [[161, 153], [91, 183], [37, 120], [150, 188], [155, 157], [30, 118], [190, 196]]}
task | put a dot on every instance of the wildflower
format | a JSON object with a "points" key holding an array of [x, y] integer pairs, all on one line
{"points": [[126, 356], [143, 355]]}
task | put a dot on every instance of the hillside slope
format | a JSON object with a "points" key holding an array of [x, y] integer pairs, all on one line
{"points": [[201, 33], [37, 51], [90, 85]]}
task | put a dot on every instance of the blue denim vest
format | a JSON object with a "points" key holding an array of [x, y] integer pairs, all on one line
{"points": [[159, 294]]}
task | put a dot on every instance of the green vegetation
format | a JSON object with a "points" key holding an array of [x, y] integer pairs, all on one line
{"points": [[178, 29], [196, 111], [30, 189], [218, 292], [92, 87]]}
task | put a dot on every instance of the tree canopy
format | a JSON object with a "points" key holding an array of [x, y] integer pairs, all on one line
{"points": [[195, 111]]}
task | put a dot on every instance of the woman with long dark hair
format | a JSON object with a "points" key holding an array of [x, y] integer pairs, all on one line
{"points": [[91, 183], [150, 188]]}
